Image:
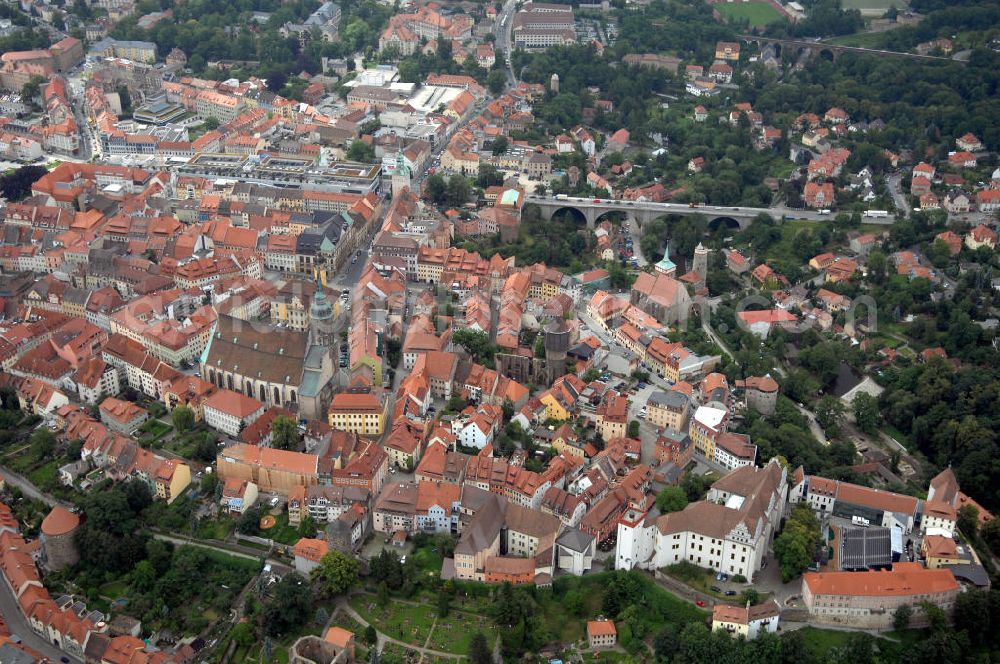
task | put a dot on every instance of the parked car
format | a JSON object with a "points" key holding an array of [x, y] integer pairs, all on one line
{"points": [[700, 603], [730, 593], [716, 589]]}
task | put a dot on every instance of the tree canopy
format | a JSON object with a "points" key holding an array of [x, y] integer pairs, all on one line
{"points": [[336, 574], [285, 433], [15, 186], [671, 499], [797, 543]]}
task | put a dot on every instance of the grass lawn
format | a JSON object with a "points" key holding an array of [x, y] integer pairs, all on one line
{"points": [[704, 583], [894, 327], [251, 544], [46, 474], [114, 590], [659, 605], [410, 623], [824, 641], [782, 169], [20, 461], [240, 654], [308, 628], [565, 627], [896, 433], [785, 248], [429, 559], [227, 560], [881, 5], [342, 619], [757, 13], [153, 431], [218, 529], [454, 633], [885, 341], [282, 532], [602, 657], [860, 39], [186, 444]]}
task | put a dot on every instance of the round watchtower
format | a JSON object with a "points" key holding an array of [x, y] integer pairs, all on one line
{"points": [[58, 538]]}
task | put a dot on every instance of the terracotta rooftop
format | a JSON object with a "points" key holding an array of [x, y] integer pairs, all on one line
{"points": [[601, 628], [60, 521], [233, 403], [903, 579]]}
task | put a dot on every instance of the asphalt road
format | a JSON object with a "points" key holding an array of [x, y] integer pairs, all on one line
{"points": [[744, 212], [636, 233], [29, 489], [504, 45]]}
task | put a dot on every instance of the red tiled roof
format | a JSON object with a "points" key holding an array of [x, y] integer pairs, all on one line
{"points": [[904, 579]]}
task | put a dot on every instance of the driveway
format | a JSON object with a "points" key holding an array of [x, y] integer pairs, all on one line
{"points": [[814, 426], [769, 581]]}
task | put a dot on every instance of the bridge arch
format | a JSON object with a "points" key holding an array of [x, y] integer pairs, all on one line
{"points": [[578, 216], [719, 223], [614, 214]]}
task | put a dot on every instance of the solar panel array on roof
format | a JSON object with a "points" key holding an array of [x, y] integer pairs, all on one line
{"points": [[865, 548]]}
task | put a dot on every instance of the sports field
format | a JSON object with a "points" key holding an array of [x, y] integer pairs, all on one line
{"points": [[757, 13]]}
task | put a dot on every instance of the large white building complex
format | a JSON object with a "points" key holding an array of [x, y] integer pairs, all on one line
{"points": [[729, 531]]}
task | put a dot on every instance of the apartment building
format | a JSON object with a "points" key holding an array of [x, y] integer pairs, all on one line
{"points": [[358, 413], [222, 107], [323, 503], [668, 410], [706, 426], [746, 621]]}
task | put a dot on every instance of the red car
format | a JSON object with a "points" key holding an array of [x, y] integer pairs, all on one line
{"points": [[597, 200], [700, 603]]}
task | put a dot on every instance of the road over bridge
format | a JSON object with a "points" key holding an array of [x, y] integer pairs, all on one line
{"points": [[836, 49], [644, 211]]}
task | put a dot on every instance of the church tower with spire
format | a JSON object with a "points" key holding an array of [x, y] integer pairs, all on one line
{"points": [[321, 330], [666, 266]]}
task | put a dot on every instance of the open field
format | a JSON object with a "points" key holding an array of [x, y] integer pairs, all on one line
{"points": [[757, 13], [874, 40], [874, 7], [822, 641]]}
